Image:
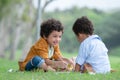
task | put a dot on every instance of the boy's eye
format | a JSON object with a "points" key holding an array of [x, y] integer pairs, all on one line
{"points": [[60, 36], [57, 36], [54, 36]]}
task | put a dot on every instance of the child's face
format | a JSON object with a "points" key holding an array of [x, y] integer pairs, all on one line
{"points": [[54, 38]]}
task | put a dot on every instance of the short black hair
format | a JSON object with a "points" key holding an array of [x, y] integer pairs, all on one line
{"points": [[83, 25], [50, 25]]}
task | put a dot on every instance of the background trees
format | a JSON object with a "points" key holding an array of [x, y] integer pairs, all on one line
{"points": [[106, 25], [18, 26]]}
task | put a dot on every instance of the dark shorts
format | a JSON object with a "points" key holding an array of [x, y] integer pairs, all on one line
{"points": [[34, 63]]}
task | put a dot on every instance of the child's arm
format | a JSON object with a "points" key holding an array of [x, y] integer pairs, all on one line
{"points": [[86, 68], [56, 64], [69, 61]]}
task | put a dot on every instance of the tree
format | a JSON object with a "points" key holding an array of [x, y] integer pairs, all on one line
{"points": [[18, 20], [112, 30], [6, 9]]}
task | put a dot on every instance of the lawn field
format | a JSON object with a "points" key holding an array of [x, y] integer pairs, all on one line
{"points": [[6, 65]]}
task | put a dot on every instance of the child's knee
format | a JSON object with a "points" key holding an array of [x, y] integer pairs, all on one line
{"points": [[37, 61]]}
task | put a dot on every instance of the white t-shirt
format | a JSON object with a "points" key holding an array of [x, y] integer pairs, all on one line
{"points": [[50, 52]]}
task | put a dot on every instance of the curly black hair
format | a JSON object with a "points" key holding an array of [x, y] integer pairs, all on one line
{"points": [[83, 25], [50, 25]]}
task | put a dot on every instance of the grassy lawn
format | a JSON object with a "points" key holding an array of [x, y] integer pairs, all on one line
{"points": [[5, 65]]}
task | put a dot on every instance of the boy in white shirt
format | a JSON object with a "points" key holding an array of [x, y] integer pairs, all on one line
{"points": [[92, 50]]}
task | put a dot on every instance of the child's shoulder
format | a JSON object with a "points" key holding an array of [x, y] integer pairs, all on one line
{"points": [[41, 43], [93, 39]]}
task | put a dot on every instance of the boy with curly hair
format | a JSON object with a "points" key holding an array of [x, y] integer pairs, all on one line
{"points": [[92, 54], [45, 53]]}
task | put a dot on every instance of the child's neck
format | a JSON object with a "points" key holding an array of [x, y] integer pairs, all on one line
{"points": [[50, 46], [85, 36]]}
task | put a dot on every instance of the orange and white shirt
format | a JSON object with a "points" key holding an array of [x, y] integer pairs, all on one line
{"points": [[41, 48]]}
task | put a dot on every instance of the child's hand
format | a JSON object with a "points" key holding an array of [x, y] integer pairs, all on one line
{"points": [[61, 64], [70, 63], [69, 67]]}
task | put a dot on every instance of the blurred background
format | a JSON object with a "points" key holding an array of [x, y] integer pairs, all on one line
{"points": [[20, 21]]}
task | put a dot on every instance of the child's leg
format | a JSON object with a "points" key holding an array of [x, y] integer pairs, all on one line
{"points": [[34, 63], [87, 68], [45, 67], [49, 68], [37, 62]]}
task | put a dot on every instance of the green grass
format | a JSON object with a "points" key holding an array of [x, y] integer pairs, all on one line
{"points": [[5, 65]]}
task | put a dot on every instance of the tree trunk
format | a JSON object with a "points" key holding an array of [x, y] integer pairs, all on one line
{"points": [[3, 38], [25, 49], [15, 42]]}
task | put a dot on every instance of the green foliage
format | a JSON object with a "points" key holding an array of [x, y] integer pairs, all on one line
{"points": [[115, 52], [3, 4], [25, 16], [106, 26], [109, 29], [6, 6]]}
